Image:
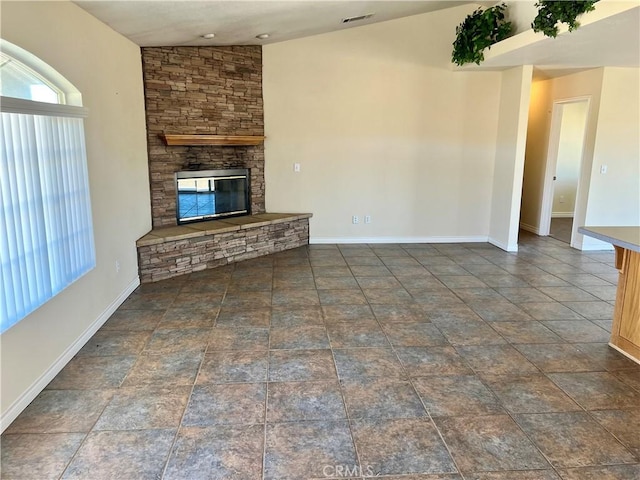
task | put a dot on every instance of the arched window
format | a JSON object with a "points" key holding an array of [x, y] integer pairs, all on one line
{"points": [[46, 231], [19, 81]]}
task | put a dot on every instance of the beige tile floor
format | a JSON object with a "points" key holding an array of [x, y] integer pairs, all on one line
{"points": [[430, 362], [560, 229]]}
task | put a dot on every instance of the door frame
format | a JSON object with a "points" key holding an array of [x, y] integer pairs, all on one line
{"points": [[552, 162]]}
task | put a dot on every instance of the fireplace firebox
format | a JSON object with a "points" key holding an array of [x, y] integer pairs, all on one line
{"points": [[210, 194]]}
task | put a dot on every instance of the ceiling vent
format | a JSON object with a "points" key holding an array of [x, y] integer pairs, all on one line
{"points": [[358, 18]]}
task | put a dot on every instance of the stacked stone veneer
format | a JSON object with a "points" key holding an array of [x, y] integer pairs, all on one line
{"points": [[217, 91], [201, 90], [166, 253]]}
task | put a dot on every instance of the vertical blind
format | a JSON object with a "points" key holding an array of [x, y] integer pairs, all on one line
{"points": [[46, 231]]}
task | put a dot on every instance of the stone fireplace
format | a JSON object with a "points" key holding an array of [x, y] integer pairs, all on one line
{"points": [[191, 95], [202, 90]]}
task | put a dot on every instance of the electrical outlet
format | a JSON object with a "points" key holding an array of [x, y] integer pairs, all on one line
{"points": [[355, 220], [117, 266], [367, 219]]}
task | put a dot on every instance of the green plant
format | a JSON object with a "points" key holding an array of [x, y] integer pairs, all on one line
{"points": [[479, 30], [552, 12]]}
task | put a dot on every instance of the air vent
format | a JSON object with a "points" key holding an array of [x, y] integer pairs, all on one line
{"points": [[358, 18]]}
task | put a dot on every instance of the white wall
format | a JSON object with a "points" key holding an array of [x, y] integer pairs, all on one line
{"points": [[614, 197], [574, 119], [583, 84], [381, 126], [510, 152], [611, 139], [535, 154], [586, 84], [106, 68], [521, 13]]}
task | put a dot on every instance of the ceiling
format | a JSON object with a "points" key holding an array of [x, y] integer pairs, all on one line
{"points": [[609, 36], [237, 22]]}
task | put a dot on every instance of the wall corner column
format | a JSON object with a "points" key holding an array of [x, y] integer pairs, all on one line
{"points": [[510, 151]]}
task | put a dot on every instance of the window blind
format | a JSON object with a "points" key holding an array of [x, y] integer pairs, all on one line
{"points": [[46, 231]]}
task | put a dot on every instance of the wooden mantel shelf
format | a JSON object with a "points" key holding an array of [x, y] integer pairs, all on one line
{"points": [[224, 140]]}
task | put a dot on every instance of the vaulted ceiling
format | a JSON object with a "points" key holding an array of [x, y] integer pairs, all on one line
{"points": [[238, 22], [609, 36]]}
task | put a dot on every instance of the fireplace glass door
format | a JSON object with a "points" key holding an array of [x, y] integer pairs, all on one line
{"points": [[209, 194]]}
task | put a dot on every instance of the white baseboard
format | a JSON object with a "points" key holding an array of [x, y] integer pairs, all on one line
{"points": [[34, 390], [586, 243], [562, 214], [530, 228], [344, 240], [503, 246]]}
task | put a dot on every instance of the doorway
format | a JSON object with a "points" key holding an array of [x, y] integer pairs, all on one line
{"points": [[564, 164]]}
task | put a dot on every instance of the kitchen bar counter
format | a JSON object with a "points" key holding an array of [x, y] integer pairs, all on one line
{"points": [[625, 332]]}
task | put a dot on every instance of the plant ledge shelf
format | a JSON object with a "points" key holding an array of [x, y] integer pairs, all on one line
{"points": [[223, 140]]}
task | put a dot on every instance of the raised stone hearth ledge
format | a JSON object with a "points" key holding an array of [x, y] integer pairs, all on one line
{"points": [[171, 251]]}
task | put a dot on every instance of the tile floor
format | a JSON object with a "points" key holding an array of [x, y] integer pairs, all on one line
{"points": [[431, 362], [560, 229]]}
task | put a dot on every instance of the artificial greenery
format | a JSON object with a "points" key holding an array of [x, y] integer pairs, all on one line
{"points": [[479, 30], [552, 12]]}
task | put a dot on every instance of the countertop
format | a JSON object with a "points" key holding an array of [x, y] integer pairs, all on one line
{"points": [[624, 237]]}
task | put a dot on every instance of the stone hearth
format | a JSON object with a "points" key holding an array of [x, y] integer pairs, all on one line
{"points": [[171, 251]]}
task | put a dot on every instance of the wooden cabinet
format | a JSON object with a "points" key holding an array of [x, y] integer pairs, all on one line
{"points": [[625, 333]]}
